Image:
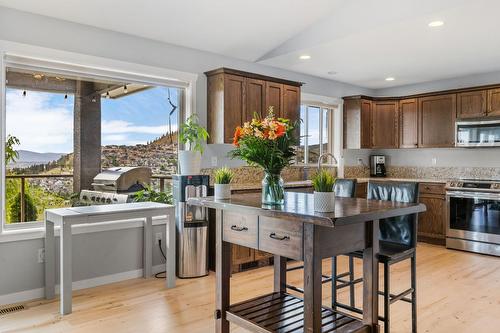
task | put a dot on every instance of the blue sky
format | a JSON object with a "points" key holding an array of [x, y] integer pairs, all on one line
{"points": [[43, 122]]}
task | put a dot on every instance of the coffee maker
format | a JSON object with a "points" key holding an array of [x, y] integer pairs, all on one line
{"points": [[377, 165]]}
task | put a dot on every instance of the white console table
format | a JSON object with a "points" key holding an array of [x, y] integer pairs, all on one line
{"points": [[65, 218]]}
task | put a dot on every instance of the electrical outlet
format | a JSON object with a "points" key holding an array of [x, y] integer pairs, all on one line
{"points": [[41, 256], [158, 237], [214, 161], [360, 162], [434, 161]]}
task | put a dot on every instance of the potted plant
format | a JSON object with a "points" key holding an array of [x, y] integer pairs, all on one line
{"points": [[324, 195], [193, 136], [222, 183], [267, 143]]}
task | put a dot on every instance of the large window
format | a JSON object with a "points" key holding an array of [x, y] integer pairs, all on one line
{"points": [[51, 117], [316, 135]]}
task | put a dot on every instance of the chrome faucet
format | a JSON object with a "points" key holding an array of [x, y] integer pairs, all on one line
{"points": [[320, 158]]}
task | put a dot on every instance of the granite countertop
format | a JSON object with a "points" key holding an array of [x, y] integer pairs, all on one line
{"points": [[389, 179], [258, 186]]}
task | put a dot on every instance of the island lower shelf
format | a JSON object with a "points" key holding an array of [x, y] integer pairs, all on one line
{"points": [[284, 313]]}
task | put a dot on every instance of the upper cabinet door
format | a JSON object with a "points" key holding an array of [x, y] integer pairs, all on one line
{"points": [[291, 102], [385, 133], [255, 99], [234, 100], [365, 130], [437, 116], [408, 123], [494, 102], [274, 97], [471, 104]]}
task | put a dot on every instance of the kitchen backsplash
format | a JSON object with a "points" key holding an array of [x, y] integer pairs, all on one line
{"points": [[254, 175], [427, 172]]}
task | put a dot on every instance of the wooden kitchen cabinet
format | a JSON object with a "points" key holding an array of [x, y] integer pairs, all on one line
{"points": [[274, 97], [493, 108], [408, 123], [471, 104], [432, 223], [357, 123], [234, 96], [255, 98], [436, 123], [385, 123]]}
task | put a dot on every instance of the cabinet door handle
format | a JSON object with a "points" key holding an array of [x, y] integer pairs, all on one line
{"points": [[236, 228], [273, 236]]}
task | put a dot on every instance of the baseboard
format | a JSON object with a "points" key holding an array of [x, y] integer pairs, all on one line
{"points": [[28, 295]]}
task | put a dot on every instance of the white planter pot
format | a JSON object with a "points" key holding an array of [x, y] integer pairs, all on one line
{"points": [[324, 202], [189, 162], [222, 191]]}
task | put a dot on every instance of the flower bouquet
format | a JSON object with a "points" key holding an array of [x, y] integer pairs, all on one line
{"points": [[268, 143]]}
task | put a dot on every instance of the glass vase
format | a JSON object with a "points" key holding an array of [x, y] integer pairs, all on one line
{"points": [[273, 189]]}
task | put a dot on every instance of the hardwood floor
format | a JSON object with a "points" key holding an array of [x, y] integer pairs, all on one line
{"points": [[458, 292]]}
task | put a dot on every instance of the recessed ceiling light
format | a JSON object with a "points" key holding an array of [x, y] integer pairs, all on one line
{"points": [[332, 73], [390, 79], [435, 24], [305, 57]]}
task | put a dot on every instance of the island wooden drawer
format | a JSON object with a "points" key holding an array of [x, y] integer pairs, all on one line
{"points": [[431, 188], [281, 237], [240, 229]]}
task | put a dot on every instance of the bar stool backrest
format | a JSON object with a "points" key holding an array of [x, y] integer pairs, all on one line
{"points": [[402, 229], [345, 188]]}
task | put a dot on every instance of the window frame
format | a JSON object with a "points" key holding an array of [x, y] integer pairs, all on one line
{"points": [[145, 75], [331, 137]]}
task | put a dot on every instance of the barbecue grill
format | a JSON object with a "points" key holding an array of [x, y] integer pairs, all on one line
{"points": [[117, 185]]}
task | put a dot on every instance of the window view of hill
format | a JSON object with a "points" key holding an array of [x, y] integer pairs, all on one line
{"points": [[138, 128]]}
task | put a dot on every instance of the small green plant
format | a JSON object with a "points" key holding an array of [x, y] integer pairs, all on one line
{"points": [[223, 175], [151, 195], [30, 212], [11, 155], [323, 181], [192, 134]]}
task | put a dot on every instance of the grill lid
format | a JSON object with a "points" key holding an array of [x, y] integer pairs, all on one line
{"points": [[122, 179]]}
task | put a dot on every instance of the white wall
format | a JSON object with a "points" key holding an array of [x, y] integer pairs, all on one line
{"points": [[95, 251], [451, 83]]}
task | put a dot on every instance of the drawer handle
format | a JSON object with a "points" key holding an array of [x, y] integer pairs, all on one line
{"points": [[236, 228], [273, 236]]}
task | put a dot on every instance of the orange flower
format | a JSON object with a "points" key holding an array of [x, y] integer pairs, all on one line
{"points": [[280, 130], [237, 136]]}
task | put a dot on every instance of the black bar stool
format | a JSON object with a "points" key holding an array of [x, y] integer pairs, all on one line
{"points": [[398, 240], [343, 188]]}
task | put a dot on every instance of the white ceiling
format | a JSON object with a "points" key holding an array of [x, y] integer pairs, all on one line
{"points": [[363, 41]]}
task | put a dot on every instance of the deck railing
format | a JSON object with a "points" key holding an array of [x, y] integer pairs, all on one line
{"points": [[163, 180]]}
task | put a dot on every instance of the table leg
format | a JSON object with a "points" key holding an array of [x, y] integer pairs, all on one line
{"points": [[148, 248], [312, 280], [170, 248], [279, 273], [66, 268], [370, 276], [222, 275], [50, 267]]}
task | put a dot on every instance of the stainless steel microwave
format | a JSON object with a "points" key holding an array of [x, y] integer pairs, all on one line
{"points": [[477, 133]]}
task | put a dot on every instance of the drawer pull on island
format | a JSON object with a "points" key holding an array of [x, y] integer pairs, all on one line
{"points": [[273, 236], [236, 228]]}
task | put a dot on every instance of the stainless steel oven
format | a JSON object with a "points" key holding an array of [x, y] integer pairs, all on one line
{"points": [[484, 133], [473, 214]]}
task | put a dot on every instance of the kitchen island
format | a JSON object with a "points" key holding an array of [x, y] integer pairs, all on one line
{"points": [[295, 231]]}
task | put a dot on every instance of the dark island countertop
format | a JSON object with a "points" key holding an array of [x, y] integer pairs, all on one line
{"points": [[299, 207]]}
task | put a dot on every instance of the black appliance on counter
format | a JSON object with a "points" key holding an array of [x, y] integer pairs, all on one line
{"points": [[377, 165], [473, 215]]}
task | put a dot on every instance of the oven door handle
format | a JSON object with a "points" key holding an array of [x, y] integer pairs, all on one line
{"points": [[472, 195]]}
